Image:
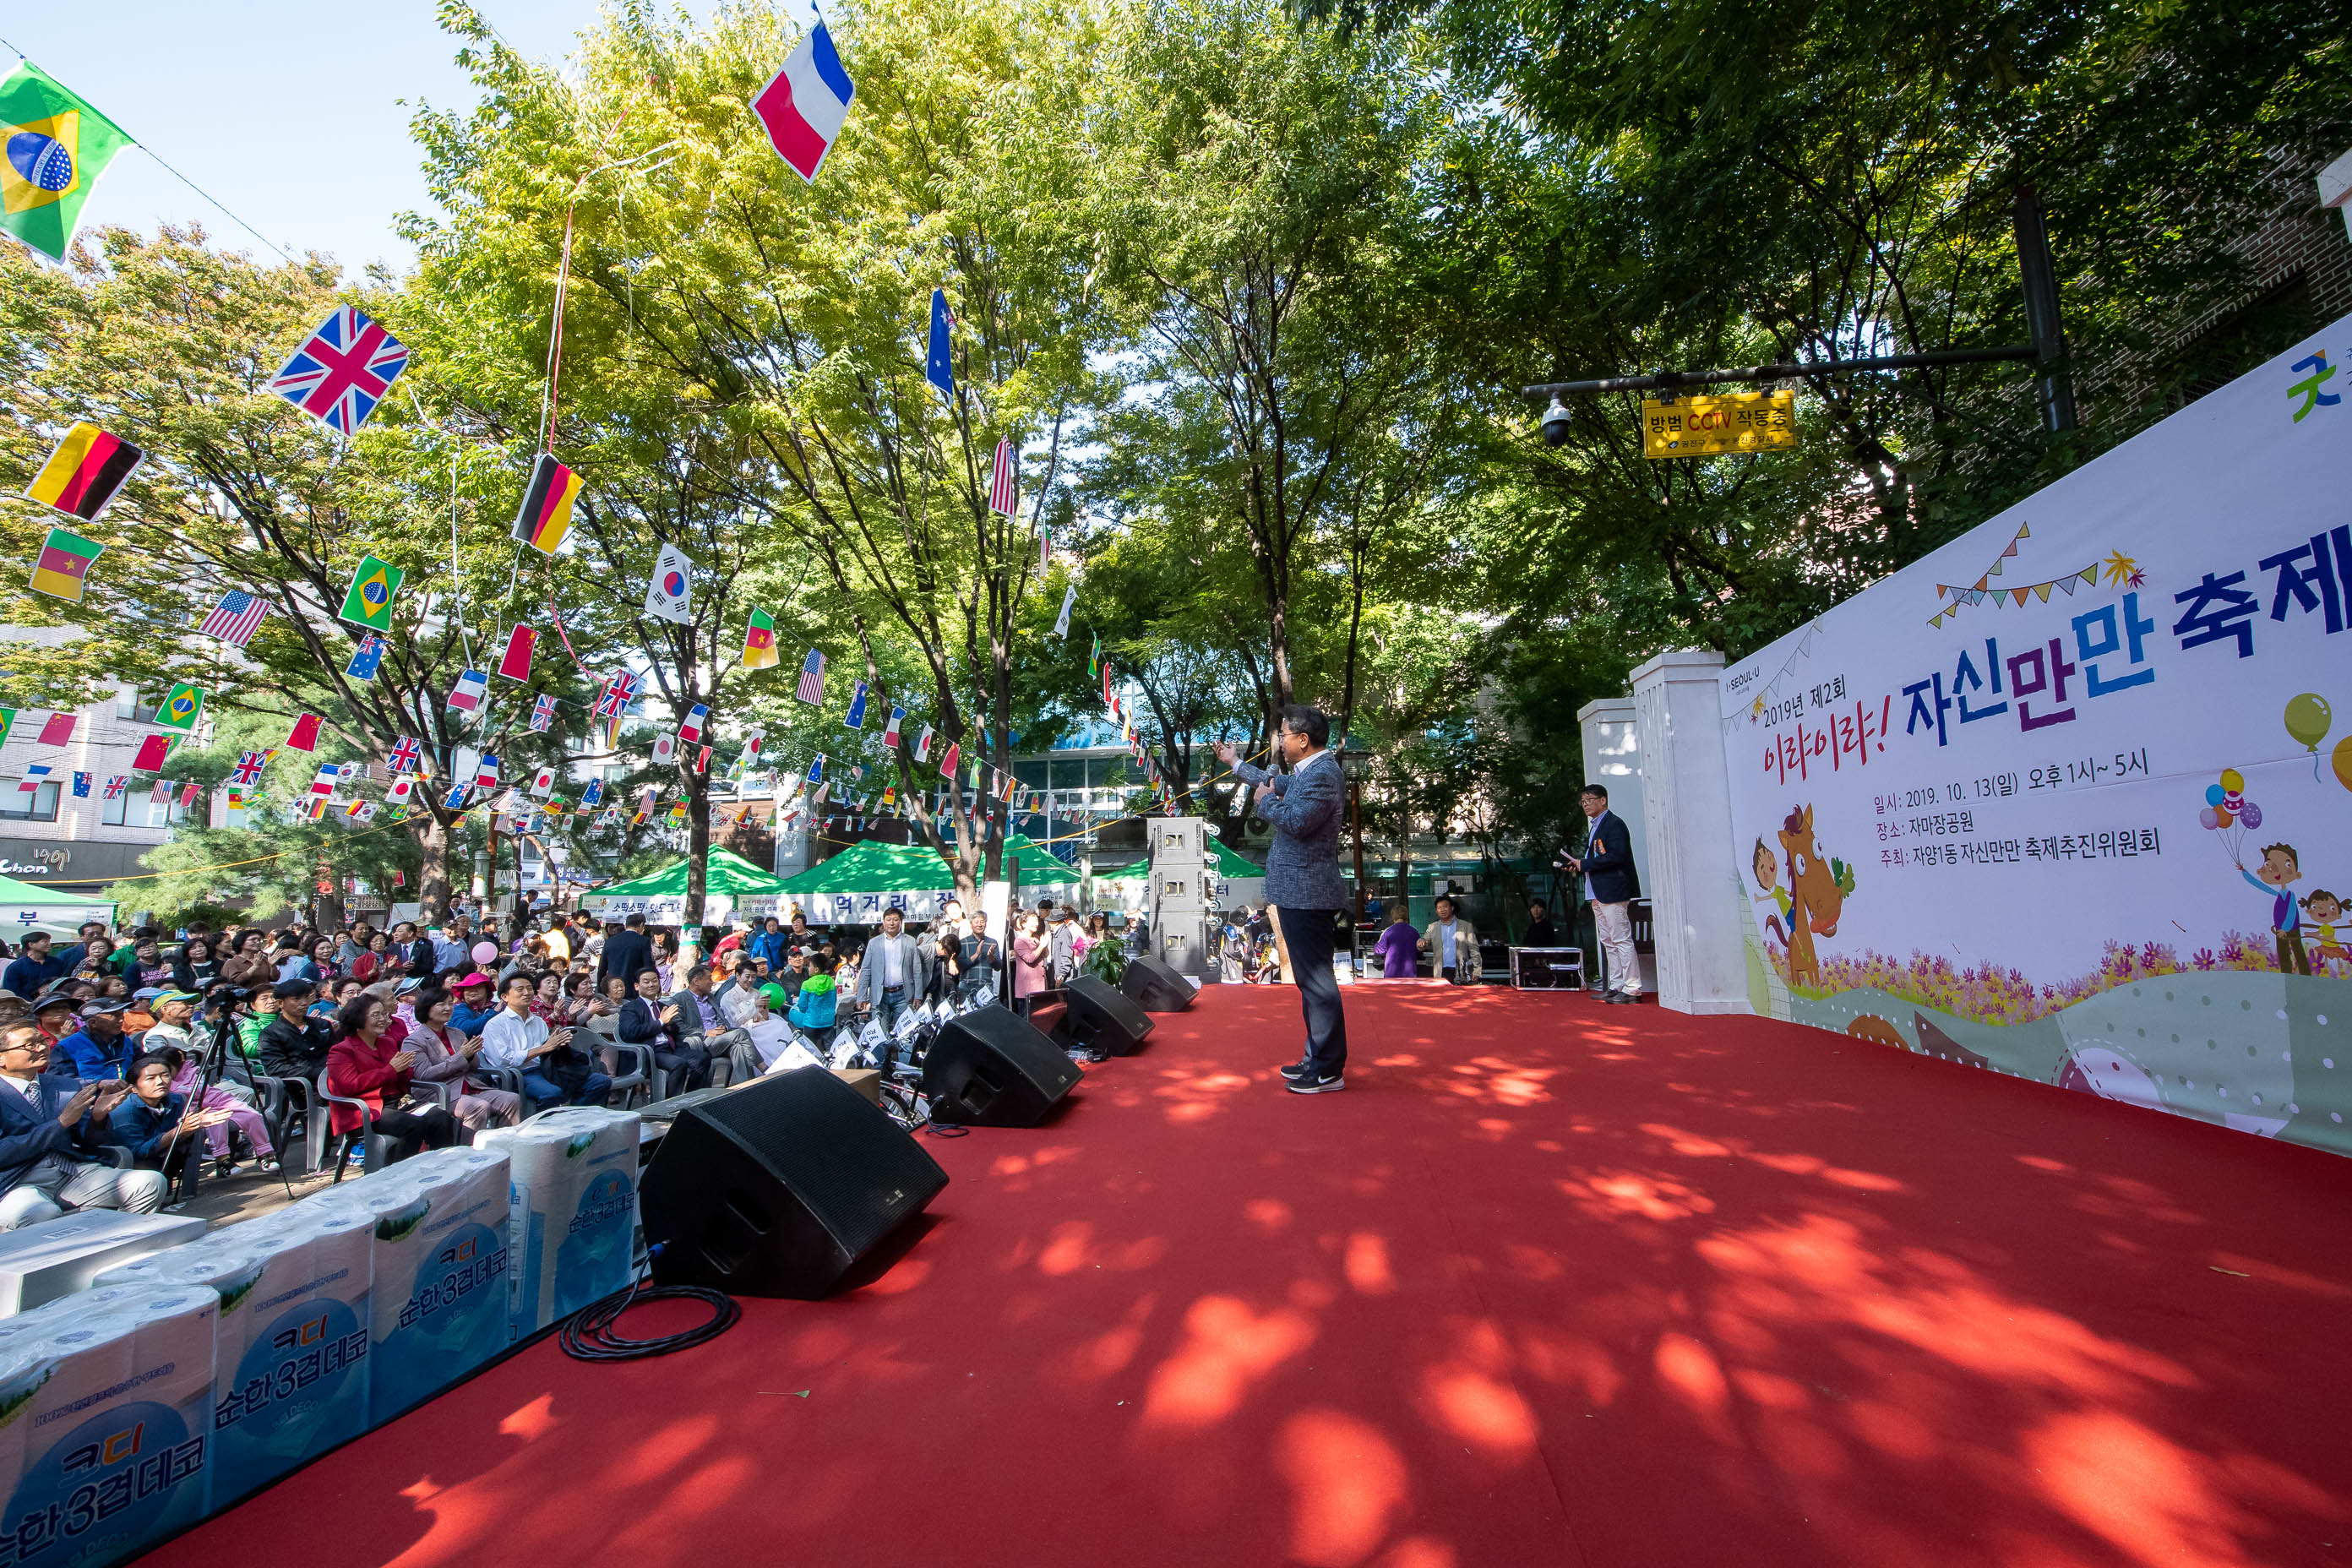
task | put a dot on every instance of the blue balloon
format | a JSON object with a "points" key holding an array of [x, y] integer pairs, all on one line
{"points": [[2215, 794]]}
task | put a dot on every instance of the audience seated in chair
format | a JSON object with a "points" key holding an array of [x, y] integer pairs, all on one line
{"points": [[364, 1065], [53, 1130]]}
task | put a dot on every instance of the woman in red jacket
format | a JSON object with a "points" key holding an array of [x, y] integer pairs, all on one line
{"points": [[365, 1066]]}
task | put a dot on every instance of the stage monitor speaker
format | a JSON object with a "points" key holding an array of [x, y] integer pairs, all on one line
{"points": [[995, 1069], [1159, 988], [777, 1186], [1096, 1014]]}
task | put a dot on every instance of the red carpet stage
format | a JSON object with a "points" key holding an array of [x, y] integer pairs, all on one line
{"points": [[1550, 1283]]}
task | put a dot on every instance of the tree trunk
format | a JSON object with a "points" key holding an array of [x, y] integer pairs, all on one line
{"points": [[433, 882], [698, 843]]}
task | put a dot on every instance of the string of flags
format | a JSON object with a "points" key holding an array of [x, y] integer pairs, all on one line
{"points": [[338, 375]]}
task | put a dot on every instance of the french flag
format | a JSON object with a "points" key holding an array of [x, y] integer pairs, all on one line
{"points": [[804, 104]]}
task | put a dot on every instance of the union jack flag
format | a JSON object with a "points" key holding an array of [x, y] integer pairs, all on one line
{"points": [[341, 371], [233, 620], [812, 689], [116, 784], [249, 768], [542, 714], [405, 754], [619, 691], [1004, 487]]}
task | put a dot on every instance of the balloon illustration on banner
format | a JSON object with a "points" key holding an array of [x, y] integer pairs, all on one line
{"points": [[2343, 762], [2229, 813], [2308, 719]]}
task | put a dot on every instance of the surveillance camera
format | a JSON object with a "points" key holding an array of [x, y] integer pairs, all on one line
{"points": [[1555, 424]]}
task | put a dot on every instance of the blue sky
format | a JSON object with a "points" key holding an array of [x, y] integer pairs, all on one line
{"points": [[294, 115]]}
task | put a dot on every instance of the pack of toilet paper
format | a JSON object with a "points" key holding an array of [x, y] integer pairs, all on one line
{"points": [[441, 1305], [106, 1415], [292, 1380], [572, 1227]]}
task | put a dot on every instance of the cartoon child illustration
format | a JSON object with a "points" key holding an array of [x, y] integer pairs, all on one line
{"points": [[2281, 867], [1766, 866], [2325, 911]]}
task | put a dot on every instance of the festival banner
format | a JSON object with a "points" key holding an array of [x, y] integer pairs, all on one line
{"points": [[2069, 798]]}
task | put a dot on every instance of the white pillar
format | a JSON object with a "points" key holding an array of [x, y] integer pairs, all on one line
{"points": [[1691, 873], [1612, 759]]}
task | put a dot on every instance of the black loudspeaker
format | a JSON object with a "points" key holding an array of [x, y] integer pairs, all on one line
{"points": [[1159, 988], [775, 1187], [995, 1069], [1097, 1016]]}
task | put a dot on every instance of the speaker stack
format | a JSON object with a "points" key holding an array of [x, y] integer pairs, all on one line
{"points": [[778, 1186], [1100, 1018], [1155, 988], [994, 1068]]}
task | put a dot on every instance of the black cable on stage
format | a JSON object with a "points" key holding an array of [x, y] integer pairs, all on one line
{"points": [[588, 1333], [946, 1130]]}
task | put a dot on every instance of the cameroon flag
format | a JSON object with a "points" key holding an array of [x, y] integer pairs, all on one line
{"points": [[760, 642], [83, 475], [545, 516], [53, 148], [64, 561]]}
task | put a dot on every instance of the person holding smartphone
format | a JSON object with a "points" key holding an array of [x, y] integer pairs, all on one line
{"points": [[551, 1069]]}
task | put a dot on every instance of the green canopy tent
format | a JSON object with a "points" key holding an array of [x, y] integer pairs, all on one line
{"points": [[26, 906], [857, 884], [731, 885]]}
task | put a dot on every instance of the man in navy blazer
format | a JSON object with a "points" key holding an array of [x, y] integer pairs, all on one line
{"points": [[1302, 881], [51, 1128], [1611, 886]]}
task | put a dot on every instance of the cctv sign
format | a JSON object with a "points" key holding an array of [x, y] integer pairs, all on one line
{"points": [[1707, 426]]}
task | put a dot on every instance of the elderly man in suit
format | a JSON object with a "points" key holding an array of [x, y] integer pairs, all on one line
{"points": [[51, 1128], [702, 1022], [1302, 881], [1610, 884], [894, 972]]}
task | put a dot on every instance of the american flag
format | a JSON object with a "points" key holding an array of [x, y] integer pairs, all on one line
{"points": [[404, 755], [1003, 489], [233, 620], [341, 371], [812, 676], [116, 784], [249, 768], [542, 714]]}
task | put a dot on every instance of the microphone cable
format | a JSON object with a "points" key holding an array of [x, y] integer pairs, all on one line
{"points": [[589, 1335]]}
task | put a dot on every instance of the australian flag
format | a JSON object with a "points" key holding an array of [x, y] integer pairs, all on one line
{"points": [[341, 371], [81, 787], [365, 660], [855, 720], [593, 794]]}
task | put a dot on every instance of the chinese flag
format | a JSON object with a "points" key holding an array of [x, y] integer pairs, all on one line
{"points": [[58, 729], [305, 737], [151, 752], [516, 665]]}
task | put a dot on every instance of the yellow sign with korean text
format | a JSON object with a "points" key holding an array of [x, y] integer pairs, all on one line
{"points": [[1706, 426]]}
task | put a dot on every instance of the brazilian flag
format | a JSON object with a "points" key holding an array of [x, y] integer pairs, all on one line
{"points": [[368, 603], [53, 148]]}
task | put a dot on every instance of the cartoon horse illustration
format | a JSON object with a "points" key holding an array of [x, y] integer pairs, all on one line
{"points": [[1814, 893]]}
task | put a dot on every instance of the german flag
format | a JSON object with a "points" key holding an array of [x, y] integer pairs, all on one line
{"points": [[64, 561], [546, 514], [83, 475]]}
